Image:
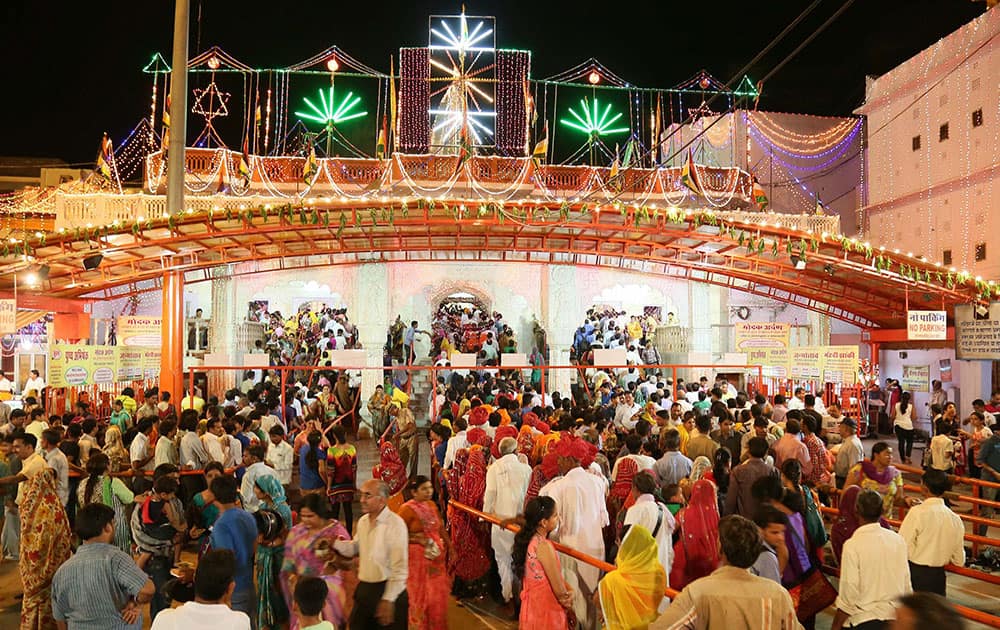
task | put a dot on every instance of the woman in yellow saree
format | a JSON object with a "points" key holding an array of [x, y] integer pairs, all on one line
{"points": [[631, 594]]}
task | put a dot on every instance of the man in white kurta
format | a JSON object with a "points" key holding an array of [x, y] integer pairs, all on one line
{"points": [[580, 502], [656, 518], [506, 485]]}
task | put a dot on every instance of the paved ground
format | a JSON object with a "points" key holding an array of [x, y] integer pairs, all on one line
{"points": [[484, 613]]}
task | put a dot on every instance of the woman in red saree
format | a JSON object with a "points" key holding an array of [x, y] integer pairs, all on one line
{"points": [[428, 583], [470, 537], [696, 553], [621, 492], [392, 471], [45, 545]]}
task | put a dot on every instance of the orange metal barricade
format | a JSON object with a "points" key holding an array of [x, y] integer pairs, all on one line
{"points": [[969, 613]]}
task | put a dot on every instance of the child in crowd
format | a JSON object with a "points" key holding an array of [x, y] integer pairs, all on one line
{"points": [[119, 417], [158, 520], [673, 497], [773, 558], [308, 601]]}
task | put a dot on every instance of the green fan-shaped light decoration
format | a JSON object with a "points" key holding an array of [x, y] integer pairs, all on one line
{"points": [[330, 112], [592, 120]]}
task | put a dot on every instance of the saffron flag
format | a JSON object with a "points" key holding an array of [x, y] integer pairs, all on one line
{"points": [[380, 143], [542, 146], [258, 118], [689, 176], [614, 166], [311, 167], [244, 164], [759, 195], [820, 208], [104, 158]]}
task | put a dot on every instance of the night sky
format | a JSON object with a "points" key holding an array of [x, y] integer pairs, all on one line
{"points": [[72, 69]]}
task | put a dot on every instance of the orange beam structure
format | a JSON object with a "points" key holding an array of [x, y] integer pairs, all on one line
{"points": [[843, 283], [172, 329]]}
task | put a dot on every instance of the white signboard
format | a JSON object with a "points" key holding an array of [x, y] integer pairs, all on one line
{"points": [[603, 356], [977, 335], [348, 358], [256, 360], [514, 359], [926, 325], [463, 360]]}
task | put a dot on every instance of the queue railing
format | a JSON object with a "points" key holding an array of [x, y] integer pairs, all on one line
{"points": [[969, 613]]}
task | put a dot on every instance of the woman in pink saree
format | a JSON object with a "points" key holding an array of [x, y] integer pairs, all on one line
{"points": [[428, 583], [308, 547]]}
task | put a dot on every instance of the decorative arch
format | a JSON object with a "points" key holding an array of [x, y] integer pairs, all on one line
{"points": [[441, 292]]}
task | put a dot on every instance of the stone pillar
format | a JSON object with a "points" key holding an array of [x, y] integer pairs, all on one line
{"points": [[371, 306], [222, 331], [561, 296]]}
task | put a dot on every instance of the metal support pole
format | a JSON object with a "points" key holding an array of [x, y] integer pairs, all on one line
{"points": [[178, 109], [172, 336]]}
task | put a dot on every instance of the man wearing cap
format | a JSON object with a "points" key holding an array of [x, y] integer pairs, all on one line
{"points": [[580, 502], [850, 451]]}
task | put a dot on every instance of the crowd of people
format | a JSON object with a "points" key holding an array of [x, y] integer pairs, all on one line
{"points": [[694, 487], [306, 338], [675, 484]]}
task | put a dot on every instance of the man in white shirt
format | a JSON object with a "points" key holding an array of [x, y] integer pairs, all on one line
{"points": [[6, 386], [212, 441], [166, 448], [34, 383], [506, 485], [192, 451], [934, 535], [213, 587], [457, 442], [381, 541], [656, 518], [56, 460], [253, 459], [139, 452], [279, 455], [580, 501], [626, 412], [797, 401], [37, 424], [874, 569]]}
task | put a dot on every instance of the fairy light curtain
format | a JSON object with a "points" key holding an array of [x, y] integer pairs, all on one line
{"points": [[414, 130], [513, 67]]}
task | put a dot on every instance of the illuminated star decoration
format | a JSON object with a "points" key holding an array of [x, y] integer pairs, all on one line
{"points": [[210, 102], [466, 59], [329, 111], [592, 121]]}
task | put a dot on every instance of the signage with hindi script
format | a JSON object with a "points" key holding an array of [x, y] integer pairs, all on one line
{"points": [[926, 325], [977, 332]]}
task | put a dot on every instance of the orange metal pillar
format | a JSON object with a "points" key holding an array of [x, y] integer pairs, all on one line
{"points": [[172, 331]]}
